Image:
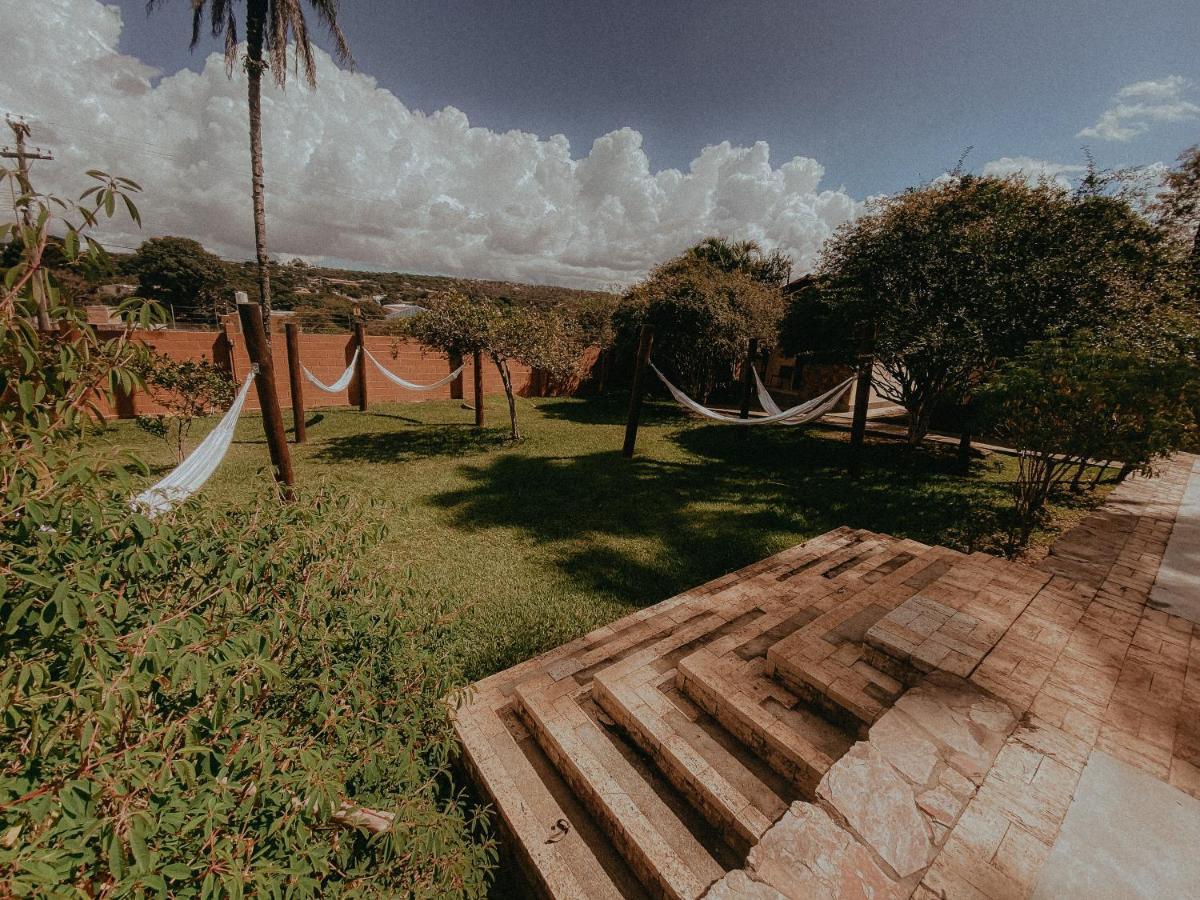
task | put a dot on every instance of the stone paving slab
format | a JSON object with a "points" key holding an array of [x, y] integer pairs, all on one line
{"points": [[1177, 585], [1089, 666], [1126, 835], [884, 809]]}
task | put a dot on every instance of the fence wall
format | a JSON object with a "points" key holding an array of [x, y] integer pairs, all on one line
{"points": [[326, 356]]}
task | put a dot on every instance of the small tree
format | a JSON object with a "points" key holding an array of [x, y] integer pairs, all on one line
{"points": [[704, 318], [188, 389], [545, 340], [1092, 397], [180, 273]]}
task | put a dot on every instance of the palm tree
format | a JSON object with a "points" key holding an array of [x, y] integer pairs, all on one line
{"points": [[270, 24], [772, 268]]}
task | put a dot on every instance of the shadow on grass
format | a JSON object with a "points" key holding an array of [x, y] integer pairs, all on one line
{"points": [[644, 529], [610, 409], [411, 443]]}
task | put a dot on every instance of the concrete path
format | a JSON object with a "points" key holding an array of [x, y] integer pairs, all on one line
{"points": [[1126, 835], [1177, 588]]}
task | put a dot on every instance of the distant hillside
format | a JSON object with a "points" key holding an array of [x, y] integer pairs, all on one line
{"points": [[326, 299]]}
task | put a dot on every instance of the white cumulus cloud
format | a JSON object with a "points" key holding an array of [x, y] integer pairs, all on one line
{"points": [[355, 175], [1138, 106]]}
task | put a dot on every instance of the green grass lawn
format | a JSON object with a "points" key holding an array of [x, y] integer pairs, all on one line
{"points": [[540, 542]]}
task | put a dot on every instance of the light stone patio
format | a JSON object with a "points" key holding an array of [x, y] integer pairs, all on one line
{"points": [[862, 716]]}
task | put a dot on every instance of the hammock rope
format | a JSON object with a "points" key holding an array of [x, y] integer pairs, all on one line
{"points": [[337, 386], [409, 385], [796, 415], [189, 476]]}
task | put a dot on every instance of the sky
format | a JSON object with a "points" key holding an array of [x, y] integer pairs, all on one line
{"points": [[582, 142]]}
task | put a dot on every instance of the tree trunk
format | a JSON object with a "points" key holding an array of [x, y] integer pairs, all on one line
{"points": [[1076, 486], [502, 367], [256, 14], [918, 423], [964, 447]]}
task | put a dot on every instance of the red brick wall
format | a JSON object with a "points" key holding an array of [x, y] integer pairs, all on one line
{"points": [[326, 356]]}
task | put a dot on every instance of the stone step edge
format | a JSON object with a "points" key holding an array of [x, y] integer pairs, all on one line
{"points": [[779, 746], [652, 859], [706, 789], [537, 858], [783, 665]]}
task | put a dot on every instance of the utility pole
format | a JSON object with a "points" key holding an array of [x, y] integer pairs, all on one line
{"points": [[21, 131]]}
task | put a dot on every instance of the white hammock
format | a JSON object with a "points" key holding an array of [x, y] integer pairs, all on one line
{"points": [[796, 415], [190, 475], [408, 385], [768, 402], [337, 386]]}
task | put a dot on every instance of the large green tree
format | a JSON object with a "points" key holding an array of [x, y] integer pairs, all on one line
{"points": [[964, 273], [270, 25], [748, 257], [179, 273]]}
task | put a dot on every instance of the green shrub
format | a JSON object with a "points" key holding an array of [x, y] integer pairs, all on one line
{"points": [[1096, 396], [212, 703], [189, 702]]}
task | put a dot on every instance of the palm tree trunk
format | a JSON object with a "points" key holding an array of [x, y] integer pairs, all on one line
{"points": [[256, 16]]}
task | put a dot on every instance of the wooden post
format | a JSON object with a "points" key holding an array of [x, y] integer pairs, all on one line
{"points": [[295, 380], [964, 445], [862, 396], [360, 344], [477, 363], [645, 345], [260, 356], [748, 378], [456, 386]]}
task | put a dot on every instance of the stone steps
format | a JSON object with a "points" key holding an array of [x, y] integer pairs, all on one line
{"points": [[574, 708], [669, 846], [578, 863], [671, 743], [827, 662]]}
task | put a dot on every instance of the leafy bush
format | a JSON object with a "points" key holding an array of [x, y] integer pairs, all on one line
{"points": [[188, 389], [190, 705], [1092, 397], [211, 703]]}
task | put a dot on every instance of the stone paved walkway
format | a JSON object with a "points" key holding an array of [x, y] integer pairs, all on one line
{"points": [[1177, 587], [858, 716]]}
